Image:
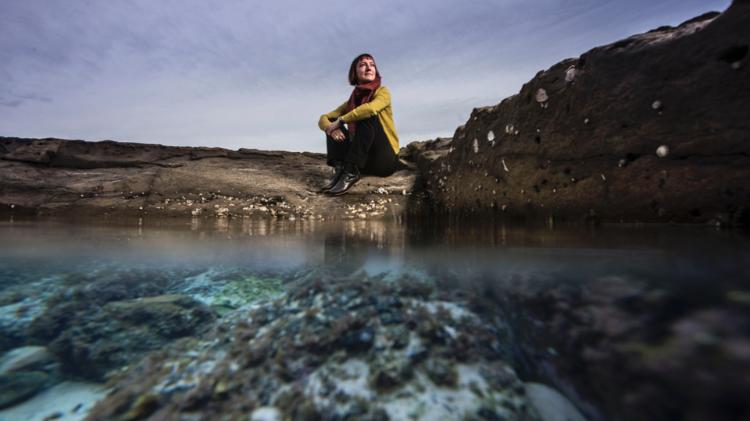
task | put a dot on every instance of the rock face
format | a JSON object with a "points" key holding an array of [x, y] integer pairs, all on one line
{"points": [[55, 177], [650, 128]]}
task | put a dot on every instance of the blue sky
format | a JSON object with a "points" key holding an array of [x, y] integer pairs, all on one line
{"points": [[258, 74]]}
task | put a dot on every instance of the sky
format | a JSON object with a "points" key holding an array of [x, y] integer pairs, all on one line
{"points": [[258, 74]]}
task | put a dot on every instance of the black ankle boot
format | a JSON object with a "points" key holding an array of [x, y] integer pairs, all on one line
{"points": [[339, 169], [349, 178]]}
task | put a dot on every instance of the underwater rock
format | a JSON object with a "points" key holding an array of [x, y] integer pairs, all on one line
{"points": [[90, 344], [24, 359], [266, 413], [550, 404], [21, 304], [19, 386], [71, 400], [322, 351], [677, 359], [228, 291]]}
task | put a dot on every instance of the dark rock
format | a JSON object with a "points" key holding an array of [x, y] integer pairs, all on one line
{"points": [[441, 372], [358, 340], [676, 88], [91, 343]]}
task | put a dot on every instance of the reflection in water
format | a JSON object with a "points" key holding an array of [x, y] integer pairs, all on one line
{"points": [[621, 320]]}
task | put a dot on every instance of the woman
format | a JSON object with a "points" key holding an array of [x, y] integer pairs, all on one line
{"points": [[360, 135]]}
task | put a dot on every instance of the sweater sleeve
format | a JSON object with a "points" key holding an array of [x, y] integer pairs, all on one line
{"points": [[381, 100], [326, 118]]}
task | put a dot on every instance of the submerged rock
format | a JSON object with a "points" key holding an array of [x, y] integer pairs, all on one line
{"points": [[91, 343], [25, 358], [551, 405], [68, 401], [324, 351], [19, 386]]}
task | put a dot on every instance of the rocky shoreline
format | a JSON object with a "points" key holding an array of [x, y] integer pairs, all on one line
{"points": [[49, 177]]}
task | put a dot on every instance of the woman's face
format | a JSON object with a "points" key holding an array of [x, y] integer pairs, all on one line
{"points": [[366, 70]]}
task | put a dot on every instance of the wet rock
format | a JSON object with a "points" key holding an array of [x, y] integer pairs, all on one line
{"points": [[90, 344], [24, 359], [657, 341], [323, 367], [72, 399], [550, 404], [389, 371], [19, 386], [266, 413], [441, 372]]}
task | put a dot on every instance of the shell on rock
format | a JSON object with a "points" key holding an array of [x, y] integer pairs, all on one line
{"points": [[662, 151], [541, 95], [476, 145], [490, 136], [570, 74], [656, 105]]}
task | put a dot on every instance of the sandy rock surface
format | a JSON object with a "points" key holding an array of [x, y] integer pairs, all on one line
{"points": [[58, 177]]}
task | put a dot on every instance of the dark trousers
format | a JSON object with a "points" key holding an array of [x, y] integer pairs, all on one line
{"points": [[370, 149]]}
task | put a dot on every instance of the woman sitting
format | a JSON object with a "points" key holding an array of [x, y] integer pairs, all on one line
{"points": [[360, 135]]}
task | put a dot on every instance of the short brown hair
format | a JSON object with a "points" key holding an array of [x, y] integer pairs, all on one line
{"points": [[353, 68]]}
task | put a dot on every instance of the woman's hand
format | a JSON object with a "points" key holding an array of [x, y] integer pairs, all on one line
{"points": [[338, 135], [336, 124]]}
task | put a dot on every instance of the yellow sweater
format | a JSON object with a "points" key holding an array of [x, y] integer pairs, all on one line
{"points": [[380, 105]]}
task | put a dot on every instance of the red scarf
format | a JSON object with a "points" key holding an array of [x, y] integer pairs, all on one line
{"points": [[361, 94]]}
